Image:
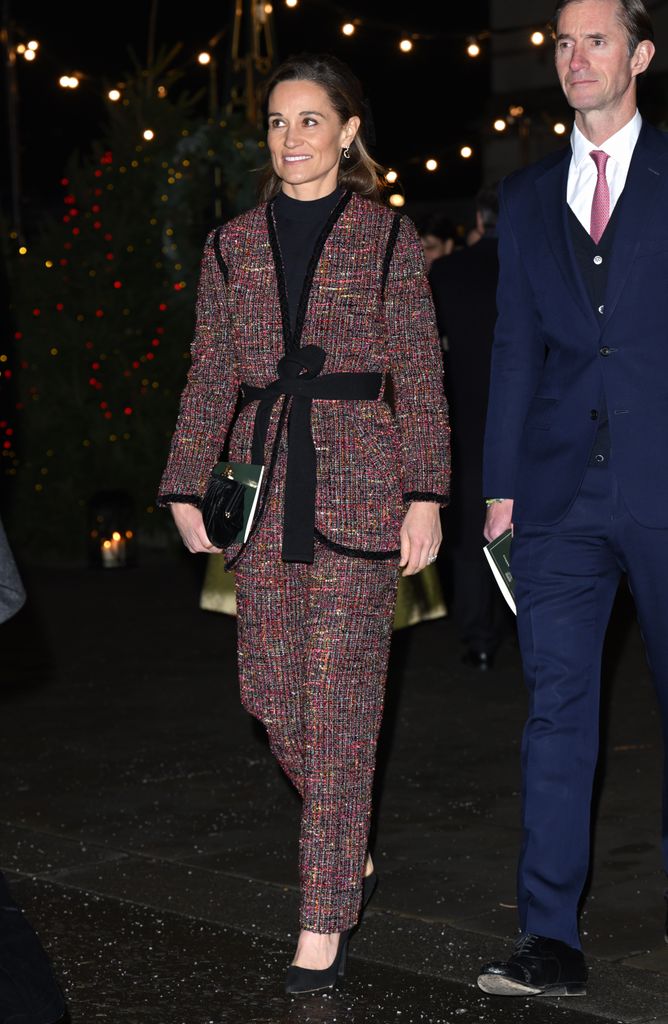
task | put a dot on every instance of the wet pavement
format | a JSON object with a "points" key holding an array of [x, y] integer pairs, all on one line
{"points": [[152, 840]]}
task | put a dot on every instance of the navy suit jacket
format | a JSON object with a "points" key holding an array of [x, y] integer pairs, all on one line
{"points": [[554, 357]]}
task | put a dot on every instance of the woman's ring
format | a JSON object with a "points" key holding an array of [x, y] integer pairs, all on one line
{"points": [[431, 559]]}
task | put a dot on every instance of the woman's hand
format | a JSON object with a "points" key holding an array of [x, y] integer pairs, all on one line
{"points": [[190, 525], [421, 536]]}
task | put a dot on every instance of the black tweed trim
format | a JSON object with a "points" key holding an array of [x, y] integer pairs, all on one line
{"points": [[442, 499], [219, 256], [267, 487], [280, 276], [292, 340], [389, 250], [178, 499], [342, 549]]}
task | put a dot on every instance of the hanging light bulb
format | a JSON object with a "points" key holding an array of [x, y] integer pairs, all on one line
{"points": [[33, 45], [500, 125], [148, 134], [114, 95], [268, 8], [391, 176], [537, 38], [290, 3], [473, 48], [466, 152], [396, 199], [348, 29], [431, 164], [204, 57], [406, 45], [559, 128], [29, 55], [21, 48]]}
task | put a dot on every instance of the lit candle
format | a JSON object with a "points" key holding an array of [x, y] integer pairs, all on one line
{"points": [[113, 552]]}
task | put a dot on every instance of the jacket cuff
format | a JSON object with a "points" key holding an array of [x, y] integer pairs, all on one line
{"points": [[439, 499], [163, 500]]}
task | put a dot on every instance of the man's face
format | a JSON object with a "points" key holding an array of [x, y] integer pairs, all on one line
{"points": [[592, 56]]}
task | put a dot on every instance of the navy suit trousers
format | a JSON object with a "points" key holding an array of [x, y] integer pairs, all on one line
{"points": [[566, 579]]}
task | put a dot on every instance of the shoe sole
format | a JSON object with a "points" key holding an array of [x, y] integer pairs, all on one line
{"points": [[495, 985]]}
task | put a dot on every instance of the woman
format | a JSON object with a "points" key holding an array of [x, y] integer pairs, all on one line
{"points": [[305, 305]]}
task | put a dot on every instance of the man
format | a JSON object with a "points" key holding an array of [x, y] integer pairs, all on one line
{"points": [[464, 288], [438, 236], [578, 414]]}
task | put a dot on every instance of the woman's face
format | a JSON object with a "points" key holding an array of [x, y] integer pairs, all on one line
{"points": [[305, 138]]}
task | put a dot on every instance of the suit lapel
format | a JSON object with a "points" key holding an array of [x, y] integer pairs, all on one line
{"points": [[647, 174], [552, 187]]}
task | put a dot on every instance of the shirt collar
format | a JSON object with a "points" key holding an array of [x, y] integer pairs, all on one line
{"points": [[619, 146]]}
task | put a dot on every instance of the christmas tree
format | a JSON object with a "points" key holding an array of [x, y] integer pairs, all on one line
{"points": [[103, 307]]}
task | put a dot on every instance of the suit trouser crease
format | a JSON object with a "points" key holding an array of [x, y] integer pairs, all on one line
{"points": [[313, 647], [566, 577]]}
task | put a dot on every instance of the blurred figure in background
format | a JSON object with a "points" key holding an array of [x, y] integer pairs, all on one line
{"points": [[464, 288], [28, 991], [439, 237]]}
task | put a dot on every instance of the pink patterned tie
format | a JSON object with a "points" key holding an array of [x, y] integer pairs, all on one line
{"points": [[600, 207]]}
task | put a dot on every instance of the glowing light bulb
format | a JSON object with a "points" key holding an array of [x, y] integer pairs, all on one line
{"points": [[500, 125], [537, 38], [290, 3], [516, 111], [204, 58], [391, 176], [114, 95], [431, 164], [23, 250], [21, 48], [473, 48], [559, 128], [148, 134], [396, 199], [33, 45], [268, 8], [348, 29], [406, 45], [29, 55], [466, 152]]}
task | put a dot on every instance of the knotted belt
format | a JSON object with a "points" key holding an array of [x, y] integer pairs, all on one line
{"points": [[299, 377]]}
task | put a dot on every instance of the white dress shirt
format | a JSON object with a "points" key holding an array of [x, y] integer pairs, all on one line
{"points": [[582, 173]]}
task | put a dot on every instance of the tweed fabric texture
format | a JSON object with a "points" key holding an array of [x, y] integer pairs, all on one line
{"points": [[313, 648], [369, 460]]}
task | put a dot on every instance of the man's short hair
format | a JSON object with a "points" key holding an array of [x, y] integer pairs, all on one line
{"points": [[487, 205], [439, 225], [633, 15]]}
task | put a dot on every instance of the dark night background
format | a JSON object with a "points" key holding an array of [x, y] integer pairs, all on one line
{"points": [[426, 103]]}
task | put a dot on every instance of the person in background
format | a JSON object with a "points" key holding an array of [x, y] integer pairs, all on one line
{"points": [[464, 290], [29, 993], [439, 237]]}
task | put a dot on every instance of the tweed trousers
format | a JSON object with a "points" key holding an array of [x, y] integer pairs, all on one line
{"points": [[313, 647]]}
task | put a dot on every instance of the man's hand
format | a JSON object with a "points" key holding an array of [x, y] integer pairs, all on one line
{"points": [[190, 525], [499, 518], [421, 536]]}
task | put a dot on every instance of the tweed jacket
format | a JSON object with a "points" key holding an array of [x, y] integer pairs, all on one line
{"points": [[366, 302]]}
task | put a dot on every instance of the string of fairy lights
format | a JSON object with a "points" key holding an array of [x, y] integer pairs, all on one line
{"points": [[474, 46]]}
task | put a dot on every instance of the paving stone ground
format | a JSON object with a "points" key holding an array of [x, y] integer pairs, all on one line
{"points": [[152, 840]]}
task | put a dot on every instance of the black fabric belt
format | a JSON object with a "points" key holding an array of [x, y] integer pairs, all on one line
{"points": [[298, 378]]}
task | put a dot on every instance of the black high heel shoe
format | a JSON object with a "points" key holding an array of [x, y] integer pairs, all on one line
{"points": [[301, 979]]}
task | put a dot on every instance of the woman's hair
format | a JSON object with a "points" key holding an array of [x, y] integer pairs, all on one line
{"points": [[359, 171], [633, 15]]}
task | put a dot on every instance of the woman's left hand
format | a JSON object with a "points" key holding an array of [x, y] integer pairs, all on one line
{"points": [[421, 537]]}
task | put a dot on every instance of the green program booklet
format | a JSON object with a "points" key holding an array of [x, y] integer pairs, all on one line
{"points": [[497, 553], [250, 475]]}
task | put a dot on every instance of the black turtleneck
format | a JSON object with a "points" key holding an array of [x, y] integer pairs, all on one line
{"points": [[299, 223]]}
